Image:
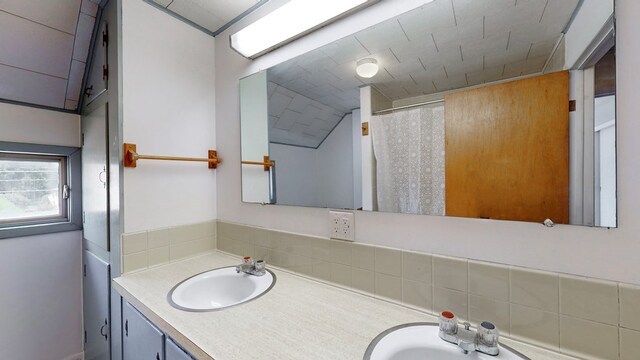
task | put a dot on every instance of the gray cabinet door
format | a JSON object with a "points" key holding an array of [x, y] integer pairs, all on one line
{"points": [[95, 177], [174, 352], [95, 291], [141, 340], [97, 79]]}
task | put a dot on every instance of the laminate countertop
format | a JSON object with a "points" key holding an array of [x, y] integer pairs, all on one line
{"points": [[299, 319]]}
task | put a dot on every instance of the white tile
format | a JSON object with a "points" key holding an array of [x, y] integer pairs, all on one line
{"points": [[427, 19], [299, 103], [30, 87], [472, 9], [89, 7], [345, 50], [588, 340], [83, 37], [134, 242], [61, 15], [589, 299], [278, 103], [197, 13], [75, 80], [382, 36], [27, 45], [70, 104], [287, 120]]}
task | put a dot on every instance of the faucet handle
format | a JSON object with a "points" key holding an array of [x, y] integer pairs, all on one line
{"points": [[448, 323], [488, 334], [247, 260], [260, 265]]}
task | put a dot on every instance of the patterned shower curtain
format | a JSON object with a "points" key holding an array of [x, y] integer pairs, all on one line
{"points": [[408, 148]]}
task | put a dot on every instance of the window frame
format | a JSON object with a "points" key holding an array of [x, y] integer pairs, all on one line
{"points": [[71, 174]]}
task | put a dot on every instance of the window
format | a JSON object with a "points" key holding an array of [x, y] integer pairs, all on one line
{"points": [[35, 189], [32, 188]]}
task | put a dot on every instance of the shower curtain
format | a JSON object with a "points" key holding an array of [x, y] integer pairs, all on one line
{"points": [[408, 148]]}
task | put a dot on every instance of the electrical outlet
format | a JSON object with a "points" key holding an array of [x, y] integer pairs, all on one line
{"points": [[341, 225]]}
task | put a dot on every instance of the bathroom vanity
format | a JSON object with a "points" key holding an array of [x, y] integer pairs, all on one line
{"points": [[299, 318]]}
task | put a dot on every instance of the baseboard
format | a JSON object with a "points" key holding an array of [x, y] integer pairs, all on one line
{"points": [[78, 356]]}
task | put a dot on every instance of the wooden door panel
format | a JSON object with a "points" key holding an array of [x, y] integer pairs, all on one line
{"points": [[507, 150]]}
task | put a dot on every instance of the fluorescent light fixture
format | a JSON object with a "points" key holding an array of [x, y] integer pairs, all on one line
{"points": [[290, 21], [367, 68]]}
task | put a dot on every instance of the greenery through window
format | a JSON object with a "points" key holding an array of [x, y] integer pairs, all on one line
{"points": [[32, 189]]}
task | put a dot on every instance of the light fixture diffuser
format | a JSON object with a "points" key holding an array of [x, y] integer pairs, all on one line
{"points": [[367, 68], [290, 21]]}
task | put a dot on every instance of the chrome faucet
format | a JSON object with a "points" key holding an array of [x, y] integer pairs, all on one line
{"points": [[252, 267], [485, 340]]}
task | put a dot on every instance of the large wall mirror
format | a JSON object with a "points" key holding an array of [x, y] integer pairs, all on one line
{"points": [[496, 109]]}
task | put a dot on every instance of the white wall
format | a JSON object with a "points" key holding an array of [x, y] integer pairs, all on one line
{"points": [[356, 129], [40, 278], [321, 177], [335, 167], [255, 137], [603, 253], [168, 109], [37, 126], [295, 174]]}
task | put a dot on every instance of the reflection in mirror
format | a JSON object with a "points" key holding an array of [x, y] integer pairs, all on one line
{"points": [[485, 109]]}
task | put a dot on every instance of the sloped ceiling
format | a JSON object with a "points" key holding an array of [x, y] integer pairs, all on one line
{"points": [[44, 44], [443, 45], [44, 47]]}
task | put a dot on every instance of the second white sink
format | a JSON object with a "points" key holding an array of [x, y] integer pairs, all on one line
{"points": [[420, 341], [218, 289]]}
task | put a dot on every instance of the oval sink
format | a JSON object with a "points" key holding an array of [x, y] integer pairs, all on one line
{"points": [[218, 289], [420, 341]]}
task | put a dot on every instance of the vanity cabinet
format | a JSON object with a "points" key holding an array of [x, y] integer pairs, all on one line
{"points": [[141, 340], [175, 352]]}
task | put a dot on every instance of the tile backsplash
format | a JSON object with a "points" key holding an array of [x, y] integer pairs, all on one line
{"points": [[583, 317], [148, 248]]}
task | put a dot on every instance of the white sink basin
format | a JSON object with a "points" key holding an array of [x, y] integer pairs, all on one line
{"points": [[218, 289], [420, 341]]}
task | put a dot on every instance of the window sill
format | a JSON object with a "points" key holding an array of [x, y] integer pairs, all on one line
{"points": [[41, 229]]}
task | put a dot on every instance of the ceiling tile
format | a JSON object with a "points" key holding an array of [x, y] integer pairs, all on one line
{"points": [[57, 14], [197, 13], [486, 75], [35, 47], [75, 80], [278, 103], [89, 7], [473, 9], [299, 103], [227, 10], [428, 18], [70, 104], [382, 36], [414, 48], [83, 37], [404, 68], [486, 46], [452, 82], [345, 50], [430, 50], [543, 48], [560, 8], [30, 87], [287, 120]]}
